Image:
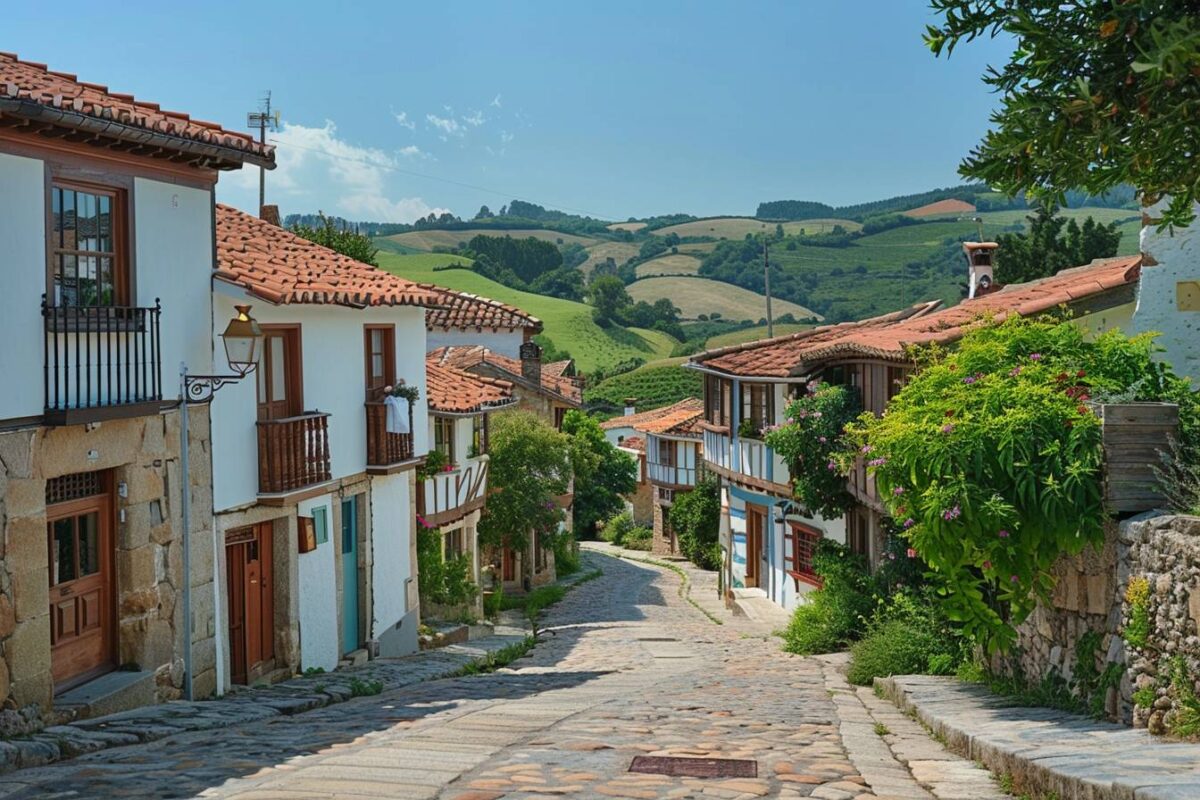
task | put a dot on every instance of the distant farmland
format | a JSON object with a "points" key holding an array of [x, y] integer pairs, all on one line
{"points": [[696, 296], [738, 227], [632, 227], [620, 252], [428, 240], [669, 265]]}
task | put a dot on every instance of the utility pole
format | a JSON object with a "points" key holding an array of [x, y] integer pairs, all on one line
{"points": [[767, 281], [263, 119]]}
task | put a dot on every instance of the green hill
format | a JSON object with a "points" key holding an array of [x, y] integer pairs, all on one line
{"points": [[568, 325], [653, 385]]}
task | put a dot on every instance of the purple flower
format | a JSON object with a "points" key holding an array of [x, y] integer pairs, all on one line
{"points": [[1015, 579], [549, 505], [1014, 372], [947, 428], [866, 448], [876, 462], [816, 414], [899, 490], [952, 513], [970, 379], [908, 523], [822, 439], [1034, 357], [1003, 534], [831, 465]]}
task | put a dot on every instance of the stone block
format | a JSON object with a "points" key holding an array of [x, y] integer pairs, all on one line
{"points": [[154, 443], [8, 618], [1098, 598], [1194, 606], [27, 652], [143, 483], [62, 451], [147, 642], [25, 497], [25, 541], [16, 454], [135, 569], [134, 532], [31, 592]]}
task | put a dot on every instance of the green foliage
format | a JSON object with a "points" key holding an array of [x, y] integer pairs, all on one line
{"points": [[339, 238], [990, 459], [1138, 628], [566, 556], [615, 530], [639, 538], [528, 258], [602, 472], [1089, 683], [1179, 477], [435, 462], [493, 603], [1052, 243], [1183, 720], [499, 658], [653, 387], [909, 635], [837, 613], [609, 300], [1145, 696], [367, 688], [695, 517], [808, 440], [442, 581], [530, 465], [1095, 94], [807, 209]]}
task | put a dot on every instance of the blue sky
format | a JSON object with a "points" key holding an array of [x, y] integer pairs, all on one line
{"points": [[616, 109]]}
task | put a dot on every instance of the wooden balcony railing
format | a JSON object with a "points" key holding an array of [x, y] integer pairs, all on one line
{"points": [[100, 361], [386, 449], [293, 453], [670, 474]]}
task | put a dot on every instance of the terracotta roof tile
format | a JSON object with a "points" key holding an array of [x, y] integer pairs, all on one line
{"points": [[281, 267], [465, 311], [468, 357], [29, 90], [636, 443], [558, 368], [679, 419], [455, 391]]}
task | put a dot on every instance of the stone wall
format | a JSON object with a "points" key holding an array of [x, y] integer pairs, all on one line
{"points": [[143, 456], [661, 543]]}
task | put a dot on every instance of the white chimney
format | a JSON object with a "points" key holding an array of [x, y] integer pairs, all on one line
{"points": [[980, 279], [630, 406]]}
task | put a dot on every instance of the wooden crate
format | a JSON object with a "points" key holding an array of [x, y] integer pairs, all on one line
{"points": [[1134, 435]]}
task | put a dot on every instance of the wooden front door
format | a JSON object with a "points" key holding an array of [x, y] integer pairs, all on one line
{"points": [[510, 564], [79, 533], [349, 576], [279, 382], [251, 592], [755, 522]]}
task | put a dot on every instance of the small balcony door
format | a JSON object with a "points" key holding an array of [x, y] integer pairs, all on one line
{"points": [[379, 345], [756, 517], [279, 393]]}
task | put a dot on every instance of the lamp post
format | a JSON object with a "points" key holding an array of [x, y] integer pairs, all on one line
{"points": [[243, 346]]}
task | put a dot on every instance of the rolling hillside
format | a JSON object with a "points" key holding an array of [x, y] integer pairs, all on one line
{"points": [[751, 335], [652, 386], [669, 265], [696, 296], [620, 252], [632, 227], [568, 325], [738, 227], [427, 240]]}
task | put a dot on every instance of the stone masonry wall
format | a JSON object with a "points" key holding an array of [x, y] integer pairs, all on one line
{"points": [[661, 543]]}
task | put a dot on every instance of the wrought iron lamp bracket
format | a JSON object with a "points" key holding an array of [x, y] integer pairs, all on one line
{"points": [[201, 388]]}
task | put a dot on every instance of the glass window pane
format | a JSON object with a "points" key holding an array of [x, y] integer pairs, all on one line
{"points": [[278, 367], [377, 366], [262, 381], [106, 284], [62, 568], [66, 285], [89, 544], [104, 226]]}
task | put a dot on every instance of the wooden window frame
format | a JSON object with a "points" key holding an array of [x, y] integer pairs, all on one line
{"points": [[454, 543], [758, 403], [293, 354], [858, 533], [119, 189], [560, 412], [717, 400], [666, 446], [479, 434], [800, 569], [389, 358], [448, 450]]}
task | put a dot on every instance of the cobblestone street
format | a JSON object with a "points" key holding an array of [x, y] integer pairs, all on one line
{"points": [[630, 669]]}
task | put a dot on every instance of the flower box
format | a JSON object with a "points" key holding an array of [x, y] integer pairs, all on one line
{"points": [[1134, 435]]}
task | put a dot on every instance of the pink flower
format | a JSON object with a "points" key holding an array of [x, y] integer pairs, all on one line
{"points": [[891, 556], [952, 513], [987, 565], [1014, 372], [1003, 534], [866, 448], [1035, 356], [908, 523], [948, 428], [422, 522], [912, 553], [816, 415], [876, 462], [1015, 579], [822, 439], [899, 490], [831, 465]]}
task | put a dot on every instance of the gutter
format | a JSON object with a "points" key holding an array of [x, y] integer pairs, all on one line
{"points": [[699, 367]]}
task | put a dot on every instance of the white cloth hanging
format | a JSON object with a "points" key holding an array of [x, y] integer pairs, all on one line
{"points": [[397, 414]]}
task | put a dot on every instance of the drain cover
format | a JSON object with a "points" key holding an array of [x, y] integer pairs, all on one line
{"points": [[657, 639], [695, 767]]}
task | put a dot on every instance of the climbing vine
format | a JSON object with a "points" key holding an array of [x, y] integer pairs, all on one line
{"points": [[807, 441]]}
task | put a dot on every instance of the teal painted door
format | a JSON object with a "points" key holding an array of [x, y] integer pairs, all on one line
{"points": [[349, 577]]}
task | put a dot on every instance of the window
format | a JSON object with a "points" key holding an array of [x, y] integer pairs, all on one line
{"points": [[559, 413], [443, 437], [758, 403], [717, 400], [666, 452], [800, 545], [479, 434], [453, 542], [858, 535], [896, 377], [88, 265], [380, 351], [279, 383]]}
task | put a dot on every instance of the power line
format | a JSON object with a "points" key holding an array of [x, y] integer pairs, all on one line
{"points": [[393, 168]]}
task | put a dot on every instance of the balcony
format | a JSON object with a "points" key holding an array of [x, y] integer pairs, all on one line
{"points": [[448, 496], [671, 475], [293, 453], [386, 452], [100, 362], [716, 446]]}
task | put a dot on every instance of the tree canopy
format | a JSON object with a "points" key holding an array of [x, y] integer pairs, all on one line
{"points": [[1053, 243], [1096, 93], [602, 472], [340, 239]]}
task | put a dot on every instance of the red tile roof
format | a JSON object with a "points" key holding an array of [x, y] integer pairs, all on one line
{"points": [[469, 357], [465, 311], [636, 443], [558, 368], [281, 267], [455, 391], [679, 419], [32, 92], [792, 356]]}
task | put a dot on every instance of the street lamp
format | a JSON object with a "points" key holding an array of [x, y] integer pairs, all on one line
{"points": [[243, 340]]}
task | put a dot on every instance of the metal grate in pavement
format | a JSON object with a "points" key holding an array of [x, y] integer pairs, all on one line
{"points": [[680, 767]]}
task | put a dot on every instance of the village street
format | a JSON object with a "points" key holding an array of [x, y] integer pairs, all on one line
{"points": [[631, 669]]}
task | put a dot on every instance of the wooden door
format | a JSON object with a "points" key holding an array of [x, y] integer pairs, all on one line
{"points": [[79, 535], [251, 593], [510, 564], [278, 371], [349, 576], [380, 353], [755, 519]]}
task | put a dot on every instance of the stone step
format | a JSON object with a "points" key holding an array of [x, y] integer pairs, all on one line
{"points": [[111, 693]]}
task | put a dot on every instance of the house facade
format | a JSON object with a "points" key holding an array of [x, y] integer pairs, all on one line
{"points": [[106, 215], [767, 537], [315, 494]]}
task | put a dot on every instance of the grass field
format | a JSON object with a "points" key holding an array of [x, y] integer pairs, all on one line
{"points": [[619, 252], [632, 227], [653, 386], [738, 227], [751, 335], [696, 296], [569, 325], [428, 240], [697, 248], [669, 265]]}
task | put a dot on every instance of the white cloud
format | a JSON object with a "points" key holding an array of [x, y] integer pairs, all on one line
{"points": [[412, 151], [475, 119], [318, 170], [506, 137], [449, 126], [496, 101], [403, 120]]}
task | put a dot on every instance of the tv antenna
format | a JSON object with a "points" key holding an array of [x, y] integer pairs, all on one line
{"points": [[263, 119]]}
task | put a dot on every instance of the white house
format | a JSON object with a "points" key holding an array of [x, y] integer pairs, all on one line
{"points": [[314, 496], [106, 220]]}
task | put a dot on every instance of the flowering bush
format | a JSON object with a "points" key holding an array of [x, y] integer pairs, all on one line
{"points": [[809, 439], [990, 459]]}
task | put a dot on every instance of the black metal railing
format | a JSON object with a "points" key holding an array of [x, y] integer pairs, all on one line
{"points": [[101, 356]]}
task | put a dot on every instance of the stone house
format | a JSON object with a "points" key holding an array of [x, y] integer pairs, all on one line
{"points": [[769, 539], [315, 497], [106, 215]]}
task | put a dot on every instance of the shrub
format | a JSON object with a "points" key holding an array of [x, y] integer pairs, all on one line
{"points": [[909, 636], [835, 614], [696, 519], [615, 529], [440, 580], [639, 538], [566, 556], [808, 441]]}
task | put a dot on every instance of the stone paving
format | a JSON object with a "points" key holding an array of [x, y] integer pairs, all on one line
{"points": [[629, 668]]}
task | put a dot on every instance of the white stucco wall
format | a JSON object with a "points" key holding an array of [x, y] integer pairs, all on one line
{"points": [[319, 645], [616, 435], [1177, 254], [173, 255], [504, 343], [332, 352], [391, 535]]}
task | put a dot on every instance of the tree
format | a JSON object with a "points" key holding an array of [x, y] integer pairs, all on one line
{"points": [[564, 282], [529, 466], [1053, 243], [602, 473], [609, 300], [696, 519], [484, 213], [1096, 94], [339, 239]]}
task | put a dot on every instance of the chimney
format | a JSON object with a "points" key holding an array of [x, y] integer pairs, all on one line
{"points": [[531, 362], [630, 406], [270, 213], [980, 279]]}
